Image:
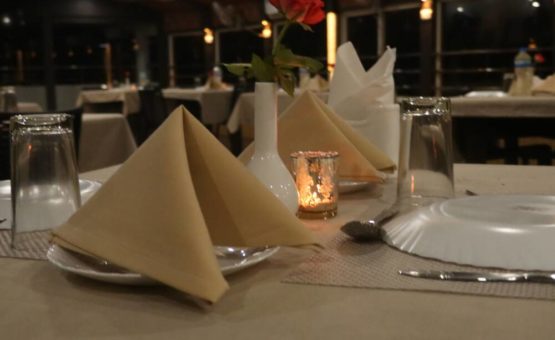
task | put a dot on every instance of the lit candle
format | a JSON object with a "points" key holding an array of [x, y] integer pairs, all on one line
{"points": [[315, 177]]}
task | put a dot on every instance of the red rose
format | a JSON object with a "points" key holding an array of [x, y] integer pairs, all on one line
{"points": [[308, 12]]}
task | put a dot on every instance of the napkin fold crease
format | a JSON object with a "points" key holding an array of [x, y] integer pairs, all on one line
{"points": [[178, 195]]}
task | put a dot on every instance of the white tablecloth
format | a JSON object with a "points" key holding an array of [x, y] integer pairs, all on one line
{"points": [[215, 104], [106, 139], [28, 107], [243, 111], [129, 97], [504, 107]]}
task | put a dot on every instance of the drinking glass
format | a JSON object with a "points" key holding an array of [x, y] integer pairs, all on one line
{"points": [[426, 154], [44, 179]]}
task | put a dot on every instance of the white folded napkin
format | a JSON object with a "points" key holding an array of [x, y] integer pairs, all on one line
{"points": [[365, 99], [351, 82]]}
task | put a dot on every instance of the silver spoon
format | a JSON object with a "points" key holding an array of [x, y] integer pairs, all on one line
{"points": [[370, 229], [238, 252]]}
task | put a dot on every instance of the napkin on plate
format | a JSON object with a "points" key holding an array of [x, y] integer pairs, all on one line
{"points": [[178, 195], [309, 124], [365, 99]]}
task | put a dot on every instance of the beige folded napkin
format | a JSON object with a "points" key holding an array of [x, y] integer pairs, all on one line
{"points": [[546, 87], [309, 124], [178, 195]]}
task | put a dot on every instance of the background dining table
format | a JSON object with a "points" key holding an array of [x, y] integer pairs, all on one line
{"points": [[484, 122], [106, 139], [243, 110], [39, 301], [127, 96], [215, 103]]}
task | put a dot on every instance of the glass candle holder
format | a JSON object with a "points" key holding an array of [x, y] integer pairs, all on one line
{"points": [[315, 175]]}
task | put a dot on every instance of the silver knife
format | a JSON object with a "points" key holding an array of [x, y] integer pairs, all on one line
{"points": [[540, 277]]}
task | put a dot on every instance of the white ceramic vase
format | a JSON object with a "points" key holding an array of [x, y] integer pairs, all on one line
{"points": [[265, 163]]}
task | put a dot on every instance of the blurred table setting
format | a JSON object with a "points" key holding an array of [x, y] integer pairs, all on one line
{"points": [[214, 103], [106, 139], [127, 97]]}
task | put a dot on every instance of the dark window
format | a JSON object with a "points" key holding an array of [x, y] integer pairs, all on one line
{"points": [[402, 31], [481, 38], [363, 33], [189, 58]]}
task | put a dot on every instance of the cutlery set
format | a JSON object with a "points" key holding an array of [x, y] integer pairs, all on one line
{"points": [[370, 229]]}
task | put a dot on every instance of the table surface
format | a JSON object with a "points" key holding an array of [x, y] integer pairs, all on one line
{"points": [[38, 301], [504, 107]]}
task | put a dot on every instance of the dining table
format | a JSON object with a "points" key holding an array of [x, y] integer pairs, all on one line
{"points": [[243, 110], [215, 103], [106, 139], [126, 96], [481, 122], [40, 301]]}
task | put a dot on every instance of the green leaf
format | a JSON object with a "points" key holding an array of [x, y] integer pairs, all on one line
{"points": [[286, 57], [287, 80], [262, 70], [239, 69]]}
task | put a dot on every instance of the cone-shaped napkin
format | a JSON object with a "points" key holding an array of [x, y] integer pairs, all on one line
{"points": [[352, 85], [309, 124], [180, 193]]}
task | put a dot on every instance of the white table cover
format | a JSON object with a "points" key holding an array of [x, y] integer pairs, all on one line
{"points": [[106, 139], [243, 111], [127, 95], [504, 107], [215, 104]]}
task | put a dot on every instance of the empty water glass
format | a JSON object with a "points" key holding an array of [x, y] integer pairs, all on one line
{"points": [[426, 154], [44, 179]]}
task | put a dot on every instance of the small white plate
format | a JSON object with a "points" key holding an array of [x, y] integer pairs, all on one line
{"points": [[87, 188], [346, 186], [94, 268], [508, 231]]}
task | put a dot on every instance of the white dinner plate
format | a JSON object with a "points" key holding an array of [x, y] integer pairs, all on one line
{"points": [[99, 270], [346, 186], [509, 231], [87, 188]]}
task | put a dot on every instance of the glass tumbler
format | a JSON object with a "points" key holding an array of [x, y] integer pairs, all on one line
{"points": [[425, 172], [44, 178], [315, 175]]}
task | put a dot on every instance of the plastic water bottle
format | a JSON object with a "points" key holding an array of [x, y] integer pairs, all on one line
{"points": [[217, 74], [524, 74]]}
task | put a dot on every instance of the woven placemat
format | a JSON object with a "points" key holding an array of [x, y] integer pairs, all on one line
{"points": [[376, 265], [35, 245]]}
